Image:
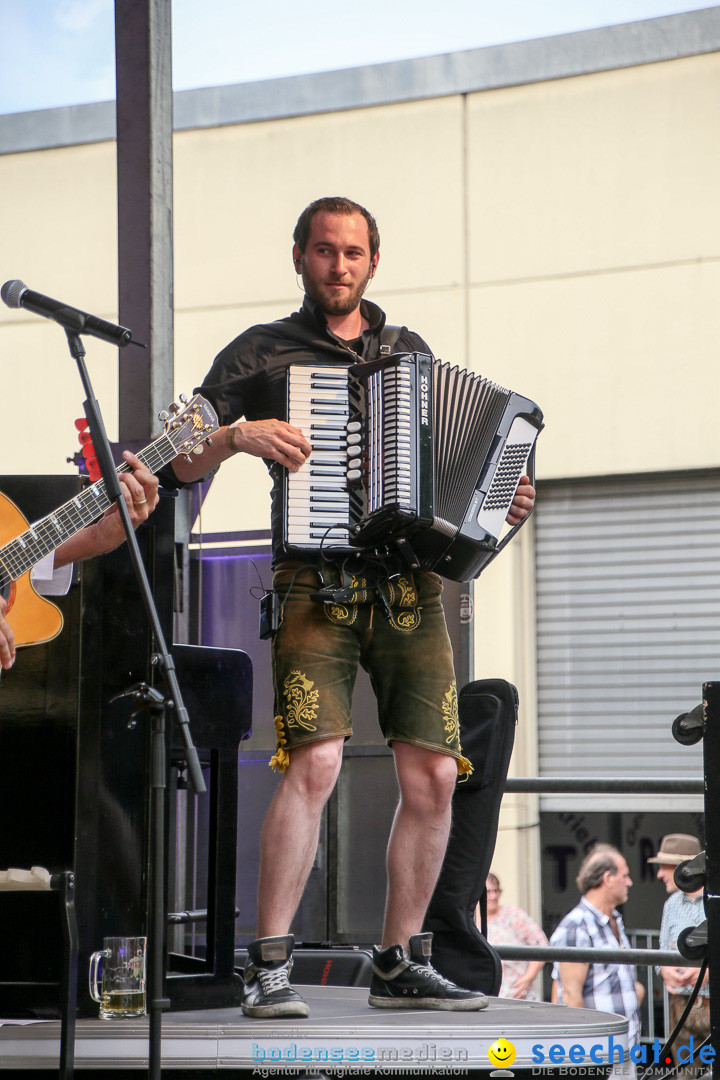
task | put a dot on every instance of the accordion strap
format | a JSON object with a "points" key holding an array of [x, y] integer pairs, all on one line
{"points": [[388, 336]]}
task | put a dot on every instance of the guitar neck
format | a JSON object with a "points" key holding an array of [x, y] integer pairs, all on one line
{"points": [[47, 534]]}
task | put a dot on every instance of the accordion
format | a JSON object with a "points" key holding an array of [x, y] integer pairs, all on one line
{"points": [[409, 454]]}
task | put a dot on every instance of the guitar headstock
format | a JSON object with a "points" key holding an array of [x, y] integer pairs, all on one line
{"points": [[190, 425]]}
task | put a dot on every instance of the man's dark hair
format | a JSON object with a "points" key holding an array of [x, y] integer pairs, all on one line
{"points": [[595, 865], [335, 204]]}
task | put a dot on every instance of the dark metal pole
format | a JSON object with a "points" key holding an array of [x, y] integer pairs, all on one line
{"points": [[64, 883], [711, 757], [156, 885], [143, 59]]}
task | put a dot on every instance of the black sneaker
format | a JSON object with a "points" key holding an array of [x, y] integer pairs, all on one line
{"points": [[402, 982], [267, 992]]}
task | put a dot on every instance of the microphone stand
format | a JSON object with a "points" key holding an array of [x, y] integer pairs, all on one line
{"points": [[156, 705]]}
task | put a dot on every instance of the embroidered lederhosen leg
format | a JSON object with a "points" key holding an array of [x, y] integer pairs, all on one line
{"points": [[410, 663], [397, 632], [314, 667]]}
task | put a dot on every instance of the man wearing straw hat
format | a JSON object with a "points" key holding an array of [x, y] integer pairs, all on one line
{"points": [[681, 910]]}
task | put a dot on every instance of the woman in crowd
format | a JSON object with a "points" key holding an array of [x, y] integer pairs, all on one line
{"points": [[508, 924]]}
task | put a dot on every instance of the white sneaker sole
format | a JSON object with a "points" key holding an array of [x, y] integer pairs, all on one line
{"points": [[282, 1008], [473, 1004]]}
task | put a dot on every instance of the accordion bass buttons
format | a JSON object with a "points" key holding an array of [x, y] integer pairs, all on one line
{"points": [[354, 451]]}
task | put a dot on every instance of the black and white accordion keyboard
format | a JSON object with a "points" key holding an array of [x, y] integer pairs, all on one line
{"points": [[409, 454]]}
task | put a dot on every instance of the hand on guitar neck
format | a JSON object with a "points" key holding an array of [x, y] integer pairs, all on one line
{"points": [[140, 489], [7, 640]]}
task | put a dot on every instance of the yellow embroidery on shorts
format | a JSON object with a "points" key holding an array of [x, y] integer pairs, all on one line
{"points": [[341, 614], [401, 609], [281, 758], [360, 586], [405, 621], [450, 712], [301, 700], [346, 614], [406, 595]]}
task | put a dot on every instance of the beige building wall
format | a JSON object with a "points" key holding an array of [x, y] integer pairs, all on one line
{"points": [[594, 243], [594, 239], [58, 233], [561, 236]]}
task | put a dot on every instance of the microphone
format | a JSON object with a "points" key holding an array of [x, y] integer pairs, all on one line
{"points": [[16, 294]]}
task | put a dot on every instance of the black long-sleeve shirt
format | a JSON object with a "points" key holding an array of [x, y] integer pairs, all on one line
{"points": [[248, 377]]}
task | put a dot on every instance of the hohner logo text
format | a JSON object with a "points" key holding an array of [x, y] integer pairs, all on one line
{"points": [[424, 399]]}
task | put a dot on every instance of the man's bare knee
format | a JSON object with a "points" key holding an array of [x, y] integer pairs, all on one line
{"points": [[314, 768], [427, 777], [441, 780]]}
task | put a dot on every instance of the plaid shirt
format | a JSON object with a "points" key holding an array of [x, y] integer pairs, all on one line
{"points": [[680, 911], [608, 987]]}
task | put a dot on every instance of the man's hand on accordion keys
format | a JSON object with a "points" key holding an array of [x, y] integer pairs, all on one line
{"points": [[274, 439], [523, 502]]}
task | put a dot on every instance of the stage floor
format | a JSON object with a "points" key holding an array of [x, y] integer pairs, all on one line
{"points": [[342, 1035]]}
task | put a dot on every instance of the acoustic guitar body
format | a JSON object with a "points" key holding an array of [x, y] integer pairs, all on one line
{"points": [[33, 619]]}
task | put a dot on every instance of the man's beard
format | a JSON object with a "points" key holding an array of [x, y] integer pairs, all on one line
{"points": [[342, 304]]}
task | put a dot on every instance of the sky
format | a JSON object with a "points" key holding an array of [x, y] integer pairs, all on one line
{"points": [[61, 52]]}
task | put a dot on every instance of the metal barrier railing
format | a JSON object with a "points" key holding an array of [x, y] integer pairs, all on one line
{"points": [[649, 957], [584, 785]]}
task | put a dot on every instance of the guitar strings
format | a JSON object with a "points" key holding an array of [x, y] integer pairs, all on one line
{"points": [[45, 535]]}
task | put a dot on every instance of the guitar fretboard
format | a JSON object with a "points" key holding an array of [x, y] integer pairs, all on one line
{"points": [[47, 534]]}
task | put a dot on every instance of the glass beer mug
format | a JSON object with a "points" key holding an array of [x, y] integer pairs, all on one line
{"points": [[117, 978]]}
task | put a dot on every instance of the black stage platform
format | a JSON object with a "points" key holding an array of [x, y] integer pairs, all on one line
{"points": [[342, 1035]]}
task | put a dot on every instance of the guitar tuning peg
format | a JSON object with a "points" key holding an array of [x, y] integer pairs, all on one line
{"points": [[187, 457], [163, 415], [208, 441], [184, 398], [174, 408]]}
